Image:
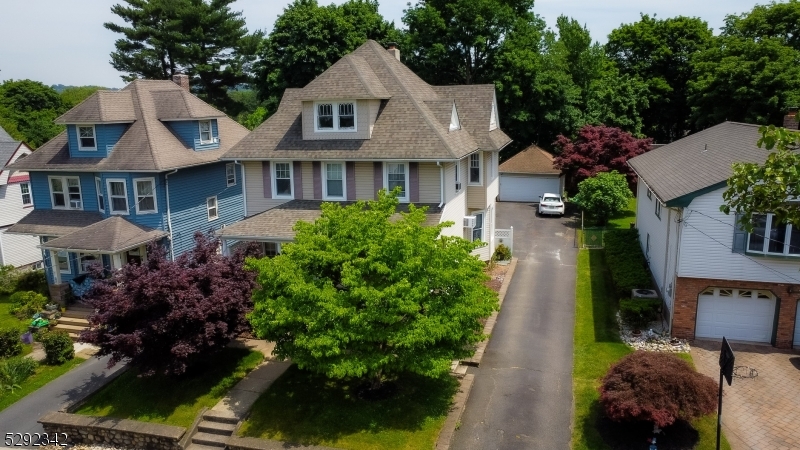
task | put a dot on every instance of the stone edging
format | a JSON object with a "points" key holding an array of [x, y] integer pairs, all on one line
{"points": [[454, 417], [120, 433]]}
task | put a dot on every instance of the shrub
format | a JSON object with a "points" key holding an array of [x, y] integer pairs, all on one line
{"points": [[58, 347], [638, 313], [8, 279], [10, 344], [14, 371], [626, 261], [501, 253], [656, 387], [26, 303], [33, 280], [603, 195]]}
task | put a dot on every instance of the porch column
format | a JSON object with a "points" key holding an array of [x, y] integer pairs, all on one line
{"points": [[56, 268], [116, 262]]}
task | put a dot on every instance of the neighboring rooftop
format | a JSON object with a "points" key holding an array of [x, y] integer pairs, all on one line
{"points": [[54, 222], [8, 146], [532, 160]]}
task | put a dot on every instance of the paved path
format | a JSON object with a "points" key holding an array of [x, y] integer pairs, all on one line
{"points": [[522, 396]]}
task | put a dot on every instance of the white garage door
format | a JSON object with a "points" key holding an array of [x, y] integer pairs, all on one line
{"points": [[797, 328], [527, 188], [740, 314]]}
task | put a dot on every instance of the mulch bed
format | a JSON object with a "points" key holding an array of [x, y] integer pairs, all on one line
{"points": [[634, 436], [497, 274]]}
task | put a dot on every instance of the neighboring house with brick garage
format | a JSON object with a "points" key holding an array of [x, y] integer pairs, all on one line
{"points": [[368, 123], [132, 166], [716, 279], [16, 202]]}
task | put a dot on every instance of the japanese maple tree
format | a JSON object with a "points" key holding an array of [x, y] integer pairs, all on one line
{"points": [[598, 148], [161, 315]]}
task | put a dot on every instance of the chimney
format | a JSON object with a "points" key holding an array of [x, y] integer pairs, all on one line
{"points": [[394, 50], [790, 119], [181, 79]]}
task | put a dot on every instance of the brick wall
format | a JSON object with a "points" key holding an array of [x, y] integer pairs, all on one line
{"points": [[687, 290], [790, 120]]}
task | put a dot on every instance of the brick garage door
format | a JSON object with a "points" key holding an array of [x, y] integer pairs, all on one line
{"points": [[738, 314]]}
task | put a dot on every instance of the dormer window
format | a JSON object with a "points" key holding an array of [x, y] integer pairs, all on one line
{"points": [[86, 138], [335, 116], [205, 132]]}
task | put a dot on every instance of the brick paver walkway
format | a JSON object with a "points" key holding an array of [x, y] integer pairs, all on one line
{"points": [[759, 413]]}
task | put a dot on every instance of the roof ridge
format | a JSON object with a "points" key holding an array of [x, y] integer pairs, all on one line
{"points": [[349, 58], [144, 123]]}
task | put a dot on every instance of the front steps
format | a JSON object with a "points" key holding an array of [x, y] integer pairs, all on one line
{"points": [[73, 321], [213, 432]]}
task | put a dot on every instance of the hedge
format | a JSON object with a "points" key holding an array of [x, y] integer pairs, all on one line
{"points": [[626, 261]]}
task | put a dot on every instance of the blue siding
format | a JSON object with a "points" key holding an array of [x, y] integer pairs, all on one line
{"points": [[41, 189], [189, 131], [189, 188], [105, 135], [153, 220]]}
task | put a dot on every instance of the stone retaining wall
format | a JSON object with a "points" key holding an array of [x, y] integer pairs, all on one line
{"points": [[116, 432]]}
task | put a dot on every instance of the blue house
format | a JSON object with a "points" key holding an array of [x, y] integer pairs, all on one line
{"points": [[133, 165]]}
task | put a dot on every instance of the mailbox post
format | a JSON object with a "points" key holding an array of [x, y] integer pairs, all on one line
{"points": [[726, 360]]}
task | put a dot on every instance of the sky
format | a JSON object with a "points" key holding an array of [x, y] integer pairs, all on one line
{"points": [[64, 42]]}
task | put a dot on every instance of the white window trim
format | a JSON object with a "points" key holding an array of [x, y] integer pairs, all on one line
{"points": [[216, 208], [80, 260], [227, 180], [482, 228], [480, 169], [94, 135], [765, 245], [210, 131], [29, 194], [325, 195], [69, 266], [66, 192], [274, 181], [458, 176], [111, 197], [277, 248], [136, 196], [98, 185], [335, 106], [386, 179]]}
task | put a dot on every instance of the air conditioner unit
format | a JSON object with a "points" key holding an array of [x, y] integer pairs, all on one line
{"points": [[458, 185], [470, 221], [75, 204], [644, 293]]}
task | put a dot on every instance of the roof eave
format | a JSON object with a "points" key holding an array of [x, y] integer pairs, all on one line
{"points": [[684, 200]]}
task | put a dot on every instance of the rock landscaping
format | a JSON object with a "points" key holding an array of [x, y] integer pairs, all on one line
{"points": [[655, 338]]}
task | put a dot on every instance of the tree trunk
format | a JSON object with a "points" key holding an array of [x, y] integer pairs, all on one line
{"points": [[377, 381]]}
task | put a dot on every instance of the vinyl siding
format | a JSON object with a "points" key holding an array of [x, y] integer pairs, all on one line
{"points": [[105, 135], [485, 252], [41, 189], [153, 220], [454, 211], [5, 174], [18, 250], [189, 130], [648, 222], [365, 189], [308, 180], [429, 183], [476, 194], [11, 204], [710, 255], [256, 202], [364, 115]]}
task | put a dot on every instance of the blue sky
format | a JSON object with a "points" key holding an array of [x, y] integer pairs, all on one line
{"points": [[59, 41]]}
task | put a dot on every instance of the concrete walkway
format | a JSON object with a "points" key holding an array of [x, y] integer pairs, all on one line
{"points": [[522, 395]]}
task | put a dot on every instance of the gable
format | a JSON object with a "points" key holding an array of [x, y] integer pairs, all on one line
{"points": [[493, 121], [455, 124]]}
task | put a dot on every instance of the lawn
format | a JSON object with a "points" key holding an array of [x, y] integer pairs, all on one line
{"points": [[622, 219], [597, 347], [7, 321], [44, 374], [302, 407], [172, 400]]}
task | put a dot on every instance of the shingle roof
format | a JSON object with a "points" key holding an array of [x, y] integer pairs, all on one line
{"points": [[5, 137], [8, 146], [101, 107], [111, 235], [148, 144], [406, 126], [277, 223], [54, 222], [531, 160], [180, 104], [350, 77], [699, 161]]}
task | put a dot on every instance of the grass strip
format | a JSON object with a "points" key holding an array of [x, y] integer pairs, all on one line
{"points": [[44, 374]]}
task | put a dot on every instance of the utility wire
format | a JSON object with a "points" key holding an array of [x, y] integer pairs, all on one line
{"points": [[754, 234]]}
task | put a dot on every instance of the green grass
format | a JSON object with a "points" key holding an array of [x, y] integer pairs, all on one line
{"points": [[302, 407], [172, 400], [622, 219], [597, 347], [9, 321], [44, 374]]}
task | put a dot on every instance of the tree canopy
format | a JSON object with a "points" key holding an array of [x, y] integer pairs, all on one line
{"points": [[603, 195], [27, 111], [362, 293]]}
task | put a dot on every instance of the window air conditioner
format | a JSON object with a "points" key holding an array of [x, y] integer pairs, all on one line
{"points": [[75, 204], [458, 185], [470, 221]]}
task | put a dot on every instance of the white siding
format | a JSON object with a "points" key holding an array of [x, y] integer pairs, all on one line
{"points": [[18, 250], [256, 202], [5, 174], [658, 228], [11, 208], [708, 254], [455, 210]]}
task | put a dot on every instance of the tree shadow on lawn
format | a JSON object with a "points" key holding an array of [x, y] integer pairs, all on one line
{"points": [[307, 408]]}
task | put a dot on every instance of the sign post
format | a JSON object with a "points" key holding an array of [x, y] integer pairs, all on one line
{"points": [[726, 360]]}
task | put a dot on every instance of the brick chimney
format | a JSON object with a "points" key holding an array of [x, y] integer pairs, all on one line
{"points": [[181, 79], [394, 50], [790, 119]]}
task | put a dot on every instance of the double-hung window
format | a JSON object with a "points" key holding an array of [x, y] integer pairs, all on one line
{"points": [[211, 208], [477, 232], [101, 198], [25, 190], [86, 260], [86, 138], [335, 116], [118, 195], [283, 180], [65, 192], [334, 182], [272, 249], [145, 195], [475, 168], [230, 174], [397, 176], [62, 259], [658, 209], [772, 237], [205, 132]]}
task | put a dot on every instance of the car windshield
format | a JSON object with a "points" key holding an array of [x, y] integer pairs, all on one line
{"points": [[551, 199]]}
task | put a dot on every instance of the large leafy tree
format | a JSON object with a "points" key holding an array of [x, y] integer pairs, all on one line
{"points": [[73, 95], [365, 295], [203, 38], [163, 315], [603, 195], [659, 52], [773, 20], [28, 108]]}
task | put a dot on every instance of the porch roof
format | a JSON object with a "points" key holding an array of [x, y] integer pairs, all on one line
{"points": [[54, 222], [111, 235], [277, 223]]}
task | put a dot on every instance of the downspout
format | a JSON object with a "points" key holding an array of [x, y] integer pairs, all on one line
{"points": [[244, 186], [441, 187], [169, 216], [679, 221]]}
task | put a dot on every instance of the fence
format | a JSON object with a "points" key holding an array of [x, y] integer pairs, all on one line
{"points": [[592, 238], [505, 237]]}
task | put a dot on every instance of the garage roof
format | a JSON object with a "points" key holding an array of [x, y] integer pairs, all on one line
{"points": [[532, 160]]}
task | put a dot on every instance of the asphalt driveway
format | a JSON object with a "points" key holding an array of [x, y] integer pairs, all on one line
{"points": [[522, 396]]}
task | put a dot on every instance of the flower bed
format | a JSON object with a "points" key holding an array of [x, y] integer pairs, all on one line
{"points": [[654, 338]]}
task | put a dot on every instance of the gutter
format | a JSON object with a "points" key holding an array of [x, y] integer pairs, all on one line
{"points": [[441, 188], [169, 216]]}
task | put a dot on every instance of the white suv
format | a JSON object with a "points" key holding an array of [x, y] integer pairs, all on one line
{"points": [[551, 204]]}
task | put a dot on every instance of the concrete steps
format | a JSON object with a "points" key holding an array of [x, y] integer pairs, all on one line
{"points": [[213, 432], [221, 428], [73, 321], [210, 439]]}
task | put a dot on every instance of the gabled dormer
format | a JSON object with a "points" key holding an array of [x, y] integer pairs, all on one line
{"points": [[189, 118], [95, 125]]}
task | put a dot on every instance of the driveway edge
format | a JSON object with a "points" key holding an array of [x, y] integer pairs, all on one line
{"points": [[453, 420]]}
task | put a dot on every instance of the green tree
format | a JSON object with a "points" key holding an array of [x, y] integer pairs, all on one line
{"points": [[603, 195], [359, 294], [659, 52], [73, 95], [30, 107], [775, 20]]}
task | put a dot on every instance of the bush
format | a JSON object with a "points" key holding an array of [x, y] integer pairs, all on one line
{"points": [[638, 313], [501, 253], [603, 195], [656, 387], [10, 344], [626, 261], [14, 371], [33, 280], [26, 303], [58, 347], [8, 279]]}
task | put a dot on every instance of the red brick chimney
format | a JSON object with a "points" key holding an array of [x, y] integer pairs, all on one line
{"points": [[790, 119], [394, 50], [181, 79]]}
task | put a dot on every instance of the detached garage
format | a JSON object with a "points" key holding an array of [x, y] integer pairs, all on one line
{"points": [[528, 175], [738, 314]]}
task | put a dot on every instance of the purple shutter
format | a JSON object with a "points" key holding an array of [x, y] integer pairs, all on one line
{"points": [[413, 180], [350, 175], [377, 177], [266, 174], [298, 180], [316, 169]]}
